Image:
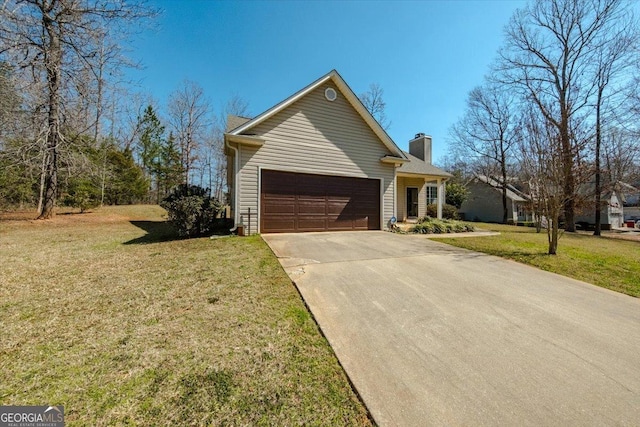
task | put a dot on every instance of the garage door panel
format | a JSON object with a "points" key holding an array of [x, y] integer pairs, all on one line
{"points": [[340, 223], [316, 188], [340, 188], [364, 207], [293, 202], [281, 225], [311, 199], [317, 207], [279, 188], [336, 208], [361, 223], [341, 200], [312, 223], [286, 197], [279, 208]]}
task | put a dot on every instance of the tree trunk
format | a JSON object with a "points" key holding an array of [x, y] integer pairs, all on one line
{"points": [[100, 82], [50, 181], [503, 170], [553, 238], [187, 157], [505, 209], [53, 62], [103, 176], [598, 230], [42, 174], [569, 179]]}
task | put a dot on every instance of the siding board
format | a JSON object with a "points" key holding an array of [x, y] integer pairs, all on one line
{"points": [[316, 136]]}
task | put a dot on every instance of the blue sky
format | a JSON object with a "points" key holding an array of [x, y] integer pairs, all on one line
{"points": [[426, 55]]}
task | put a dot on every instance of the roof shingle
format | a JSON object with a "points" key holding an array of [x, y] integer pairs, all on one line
{"points": [[420, 167]]}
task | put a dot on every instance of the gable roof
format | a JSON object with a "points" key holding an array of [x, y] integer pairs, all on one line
{"points": [[349, 95], [234, 121], [512, 193], [418, 166]]}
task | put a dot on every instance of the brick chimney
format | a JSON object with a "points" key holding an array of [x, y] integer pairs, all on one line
{"points": [[420, 146]]}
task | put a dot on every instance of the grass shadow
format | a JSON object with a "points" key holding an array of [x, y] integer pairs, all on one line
{"points": [[523, 256], [74, 213], [155, 232], [163, 231]]}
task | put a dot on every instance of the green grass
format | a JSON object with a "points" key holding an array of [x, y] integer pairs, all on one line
{"points": [[607, 262], [109, 315]]}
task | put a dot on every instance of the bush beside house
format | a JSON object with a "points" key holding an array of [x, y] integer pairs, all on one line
{"points": [[429, 225], [191, 210], [448, 211]]}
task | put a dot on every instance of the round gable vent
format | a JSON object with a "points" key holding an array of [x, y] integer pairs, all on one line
{"points": [[330, 94]]}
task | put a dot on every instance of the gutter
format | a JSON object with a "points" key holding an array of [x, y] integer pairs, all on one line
{"points": [[236, 161]]}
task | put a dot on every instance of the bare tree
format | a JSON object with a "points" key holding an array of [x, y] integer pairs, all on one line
{"points": [[54, 39], [620, 150], [549, 51], [9, 103], [614, 59], [374, 102], [235, 106], [488, 131], [541, 165], [188, 115]]}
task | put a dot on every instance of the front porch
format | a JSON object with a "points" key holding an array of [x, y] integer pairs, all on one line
{"points": [[414, 193]]}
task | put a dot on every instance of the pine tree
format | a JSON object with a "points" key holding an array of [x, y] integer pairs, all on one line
{"points": [[127, 184], [170, 171], [150, 145]]}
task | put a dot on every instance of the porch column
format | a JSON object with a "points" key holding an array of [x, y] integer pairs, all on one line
{"points": [[440, 199]]}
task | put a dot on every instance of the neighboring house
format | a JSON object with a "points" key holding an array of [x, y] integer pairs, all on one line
{"points": [[619, 203], [319, 161], [611, 214], [484, 202], [630, 201], [615, 199]]}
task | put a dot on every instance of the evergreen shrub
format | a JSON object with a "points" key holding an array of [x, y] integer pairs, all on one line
{"points": [[191, 210]]}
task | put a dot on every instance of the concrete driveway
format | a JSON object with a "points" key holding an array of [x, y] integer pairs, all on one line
{"points": [[435, 335]]}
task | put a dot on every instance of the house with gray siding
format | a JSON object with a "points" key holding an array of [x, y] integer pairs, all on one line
{"points": [[484, 202], [319, 161]]}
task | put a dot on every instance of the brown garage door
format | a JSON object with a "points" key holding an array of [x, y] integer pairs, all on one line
{"points": [[296, 202]]}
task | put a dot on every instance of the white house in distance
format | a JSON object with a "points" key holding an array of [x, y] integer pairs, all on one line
{"points": [[319, 161], [630, 196], [611, 213]]}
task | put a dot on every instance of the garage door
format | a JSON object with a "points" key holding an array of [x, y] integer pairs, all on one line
{"points": [[296, 202]]}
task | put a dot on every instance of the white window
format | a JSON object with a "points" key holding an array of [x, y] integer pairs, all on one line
{"points": [[432, 194]]}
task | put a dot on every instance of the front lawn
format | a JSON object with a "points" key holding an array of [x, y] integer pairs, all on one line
{"points": [[610, 263], [106, 314]]}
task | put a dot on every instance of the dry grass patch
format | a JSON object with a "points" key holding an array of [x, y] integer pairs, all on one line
{"points": [[122, 325], [606, 262]]}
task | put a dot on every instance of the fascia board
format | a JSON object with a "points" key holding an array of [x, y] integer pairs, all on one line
{"points": [[250, 140], [393, 160]]}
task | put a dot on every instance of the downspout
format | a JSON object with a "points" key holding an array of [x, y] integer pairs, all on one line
{"points": [[440, 190], [395, 193], [236, 168]]}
